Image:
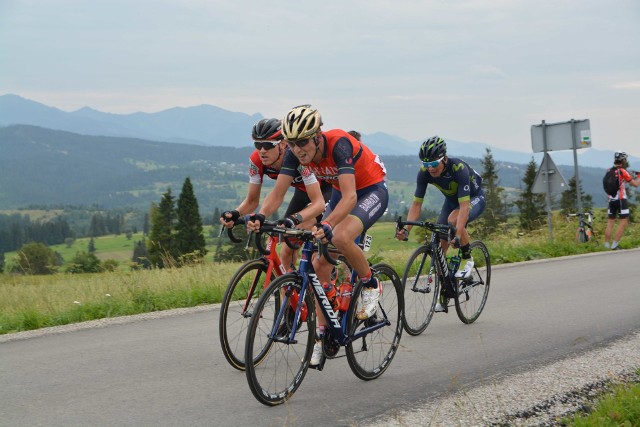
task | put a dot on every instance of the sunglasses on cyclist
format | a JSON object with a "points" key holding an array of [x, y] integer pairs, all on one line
{"points": [[267, 145], [432, 164], [299, 143]]}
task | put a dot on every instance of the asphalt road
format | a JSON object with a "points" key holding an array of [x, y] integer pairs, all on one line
{"points": [[171, 372]]}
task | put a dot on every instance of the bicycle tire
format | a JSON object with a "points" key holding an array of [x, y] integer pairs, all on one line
{"points": [[582, 235], [471, 293], [376, 350], [245, 287], [274, 377], [420, 291]]}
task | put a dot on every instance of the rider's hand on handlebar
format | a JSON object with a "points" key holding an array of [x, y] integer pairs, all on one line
{"points": [[289, 222], [323, 231], [402, 234], [254, 222], [229, 218]]}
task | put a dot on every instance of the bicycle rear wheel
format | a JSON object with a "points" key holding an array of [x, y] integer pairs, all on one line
{"points": [[243, 291], [472, 292], [420, 284], [370, 355], [276, 375]]}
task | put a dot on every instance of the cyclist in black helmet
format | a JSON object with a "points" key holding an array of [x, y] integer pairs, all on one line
{"points": [[267, 159], [464, 199]]}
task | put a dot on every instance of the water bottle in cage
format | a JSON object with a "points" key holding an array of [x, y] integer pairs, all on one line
{"points": [[454, 263]]}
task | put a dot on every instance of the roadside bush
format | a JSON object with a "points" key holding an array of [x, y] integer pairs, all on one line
{"points": [[36, 258], [84, 262]]}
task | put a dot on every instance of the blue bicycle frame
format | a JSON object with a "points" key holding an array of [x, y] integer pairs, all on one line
{"points": [[336, 320]]}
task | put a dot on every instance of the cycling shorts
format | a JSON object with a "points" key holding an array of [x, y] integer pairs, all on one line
{"points": [[477, 204], [371, 203], [618, 207]]}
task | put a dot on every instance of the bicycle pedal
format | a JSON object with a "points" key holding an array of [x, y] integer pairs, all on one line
{"points": [[319, 366]]}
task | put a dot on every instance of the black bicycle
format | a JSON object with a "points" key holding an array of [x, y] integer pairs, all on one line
{"points": [[281, 333], [585, 230], [429, 278]]}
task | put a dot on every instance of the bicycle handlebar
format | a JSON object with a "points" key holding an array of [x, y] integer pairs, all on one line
{"points": [[445, 230], [232, 236], [304, 235]]}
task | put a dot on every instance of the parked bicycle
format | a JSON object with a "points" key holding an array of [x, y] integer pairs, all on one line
{"points": [[429, 277], [585, 230], [282, 334]]}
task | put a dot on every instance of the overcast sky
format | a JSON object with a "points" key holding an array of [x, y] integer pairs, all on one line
{"points": [[481, 70]]}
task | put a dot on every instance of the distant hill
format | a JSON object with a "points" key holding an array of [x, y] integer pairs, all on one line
{"points": [[213, 126], [50, 167]]}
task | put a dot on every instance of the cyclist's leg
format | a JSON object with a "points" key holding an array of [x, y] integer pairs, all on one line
{"points": [[371, 203], [624, 220], [611, 214], [448, 207], [477, 205]]}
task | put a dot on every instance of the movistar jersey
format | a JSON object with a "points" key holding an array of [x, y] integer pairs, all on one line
{"points": [[458, 181]]}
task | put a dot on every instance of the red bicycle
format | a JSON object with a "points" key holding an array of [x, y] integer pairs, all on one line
{"points": [[243, 291]]}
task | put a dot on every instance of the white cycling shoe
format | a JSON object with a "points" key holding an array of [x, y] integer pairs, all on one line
{"points": [[466, 271]]}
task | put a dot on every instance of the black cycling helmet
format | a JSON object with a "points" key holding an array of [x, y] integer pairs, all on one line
{"points": [[433, 148], [267, 130]]}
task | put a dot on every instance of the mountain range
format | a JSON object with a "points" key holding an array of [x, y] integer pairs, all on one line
{"points": [[46, 167], [208, 125]]}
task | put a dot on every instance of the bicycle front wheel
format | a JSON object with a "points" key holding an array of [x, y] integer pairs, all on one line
{"points": [[371, 355], [238, 302], [420, 284], [582, 235], [274, 377], [472, 292]]}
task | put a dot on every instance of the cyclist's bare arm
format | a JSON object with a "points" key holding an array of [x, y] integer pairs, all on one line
{"points": [[316, 207], [249, 204], [273, 200], [412, 215]]}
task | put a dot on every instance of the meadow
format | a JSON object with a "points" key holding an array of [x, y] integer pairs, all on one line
{"points": [[32, 302]]}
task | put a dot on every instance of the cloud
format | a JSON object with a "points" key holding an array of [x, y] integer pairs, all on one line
{"points": [[487, 71], [626, 85]]}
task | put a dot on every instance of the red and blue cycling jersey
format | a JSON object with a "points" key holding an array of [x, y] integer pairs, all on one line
{"points": [[257, 170], [343, 154]]}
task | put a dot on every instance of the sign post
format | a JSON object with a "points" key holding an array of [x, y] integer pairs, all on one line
{"points": [[571, 135]]}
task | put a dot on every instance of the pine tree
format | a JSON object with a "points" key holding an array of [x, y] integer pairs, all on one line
{"points": [[530, 204], [140, 254], [160, 244], [496, 209], [92, 246], [189, 238], [145, 225], [569, 198]]}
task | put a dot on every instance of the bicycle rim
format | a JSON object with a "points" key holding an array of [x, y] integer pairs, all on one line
{"points": [[471, 293], [420, 291], [244, 289], [370, 355], [276, 375]]}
